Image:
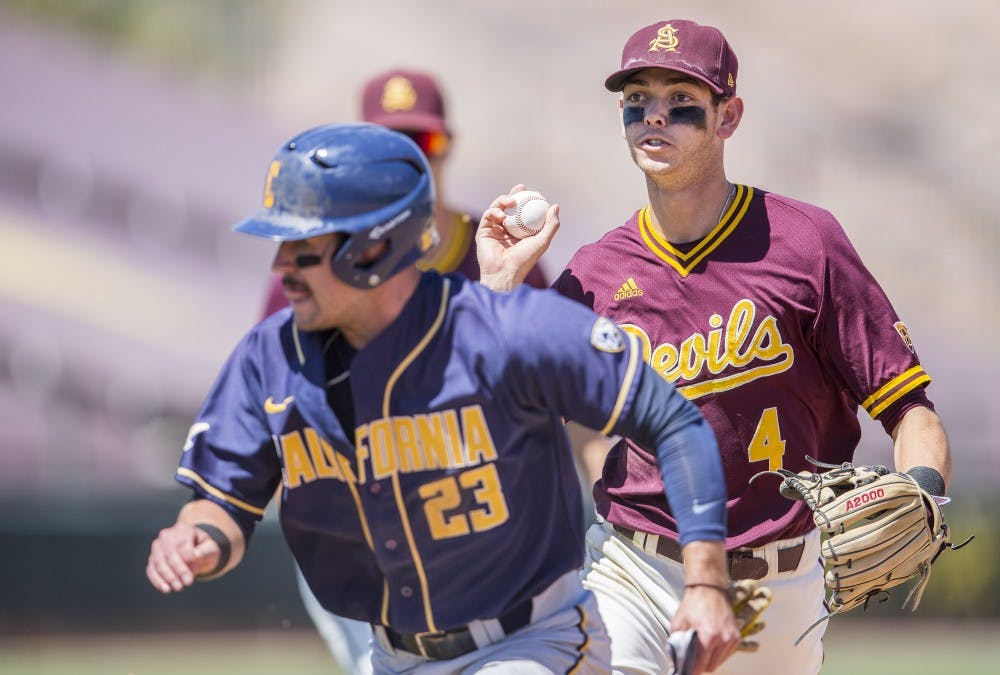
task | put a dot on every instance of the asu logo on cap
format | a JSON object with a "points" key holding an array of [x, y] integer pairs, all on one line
{"points": [[398, 95], [665, 40]]}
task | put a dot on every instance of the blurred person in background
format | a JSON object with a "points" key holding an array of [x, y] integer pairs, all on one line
{"points": [[412, 103], [762, 313]]}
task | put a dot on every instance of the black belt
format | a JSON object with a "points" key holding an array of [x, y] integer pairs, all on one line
{"points": [[450, 644], [743, 564]]}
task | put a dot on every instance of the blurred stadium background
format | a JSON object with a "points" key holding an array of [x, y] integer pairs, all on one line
{"points": [[133, 134]]}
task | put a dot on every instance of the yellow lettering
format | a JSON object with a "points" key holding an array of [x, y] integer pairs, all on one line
{"points": [[383, 457], [478, 442], [410, 458], [767, 341], [362, 452], [272, 173], [431, 434], [724, 346], [321, 453], [641, 336], [345, 468], [692, 357], [664, 361], [440, 496], [454, 438], [715, 355], [488, 492], [740, 321], [767, 443], [297, 466]]}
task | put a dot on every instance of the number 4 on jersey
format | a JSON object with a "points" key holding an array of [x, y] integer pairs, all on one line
{"points": [[767, 442]]}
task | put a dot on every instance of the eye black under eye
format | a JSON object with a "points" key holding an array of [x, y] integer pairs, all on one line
{"points": [[307, 260]]}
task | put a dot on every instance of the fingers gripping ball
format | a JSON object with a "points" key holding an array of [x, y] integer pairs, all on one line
{"points": [[527, 215], [748, 601]]}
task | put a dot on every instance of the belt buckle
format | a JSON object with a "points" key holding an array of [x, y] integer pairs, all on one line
{"points": [[745, 565], [430, 635]]}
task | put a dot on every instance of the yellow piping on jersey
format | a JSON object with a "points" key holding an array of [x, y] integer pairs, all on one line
{"points": [[633, 364], [352, 485], [215, 492], [666, 252], [400, 504], [298, 345], [917, 377], [585, 645]]}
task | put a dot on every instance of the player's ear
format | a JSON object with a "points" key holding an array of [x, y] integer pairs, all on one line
{"points": [[730, 114]]}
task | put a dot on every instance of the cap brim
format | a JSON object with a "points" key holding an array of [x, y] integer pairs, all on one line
{"points": [[410, 121], [616, 81], [281, 226]]}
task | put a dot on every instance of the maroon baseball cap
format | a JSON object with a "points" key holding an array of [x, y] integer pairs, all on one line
{"points": [[404, 100], [685, 46]]}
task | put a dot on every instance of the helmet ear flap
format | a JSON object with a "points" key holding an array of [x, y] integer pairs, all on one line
{"points": [[358, 268]]}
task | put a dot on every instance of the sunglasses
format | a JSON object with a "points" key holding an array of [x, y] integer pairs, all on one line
{"points": [[431, 143]]}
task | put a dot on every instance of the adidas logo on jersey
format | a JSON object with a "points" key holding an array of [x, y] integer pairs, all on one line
{"points": [[628, 290]]}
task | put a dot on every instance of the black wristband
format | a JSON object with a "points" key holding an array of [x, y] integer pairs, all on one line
{"points": [[929, 480], [718, 587], [225, 548]]}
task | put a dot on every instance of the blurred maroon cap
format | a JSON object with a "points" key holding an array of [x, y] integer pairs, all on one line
{"points": [[685, 46], [404, 100]]}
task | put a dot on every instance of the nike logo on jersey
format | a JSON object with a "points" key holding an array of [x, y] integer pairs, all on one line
{"points": [[699, 509], [628, 290], [272, 408], [196, 428]]}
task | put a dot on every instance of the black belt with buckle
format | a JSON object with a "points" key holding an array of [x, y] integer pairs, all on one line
{"points": [[450, 644], [743, 564]]}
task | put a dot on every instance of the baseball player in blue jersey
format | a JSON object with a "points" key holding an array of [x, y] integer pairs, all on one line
{"points": [[414, 421]]}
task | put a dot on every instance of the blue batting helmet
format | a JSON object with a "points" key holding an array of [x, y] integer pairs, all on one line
{"points": [[366, 181]]}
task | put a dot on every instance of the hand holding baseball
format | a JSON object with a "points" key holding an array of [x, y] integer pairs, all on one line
{"points": [[506, 257], [526, 217]]}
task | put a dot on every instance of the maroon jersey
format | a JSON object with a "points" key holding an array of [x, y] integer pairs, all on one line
{"points": [[773, 326]]}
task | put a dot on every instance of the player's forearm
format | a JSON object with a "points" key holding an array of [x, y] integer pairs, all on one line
{"points": [[705, 564], [920, 440], [209, 515]]}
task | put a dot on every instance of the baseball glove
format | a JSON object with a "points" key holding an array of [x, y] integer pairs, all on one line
{"points": [[748, 601], [880, 529]]}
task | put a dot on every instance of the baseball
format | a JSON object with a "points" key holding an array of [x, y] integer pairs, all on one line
{"points": [[527, 215]]}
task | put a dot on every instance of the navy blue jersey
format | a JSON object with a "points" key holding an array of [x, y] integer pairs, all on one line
{"points": [[456, 496]]}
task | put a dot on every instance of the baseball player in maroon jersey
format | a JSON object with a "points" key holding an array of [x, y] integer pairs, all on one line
{"points": [[759, 310], [415, 424], [411, 102]]}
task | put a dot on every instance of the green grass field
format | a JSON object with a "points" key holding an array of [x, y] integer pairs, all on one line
{"points": [[852, 647]]}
